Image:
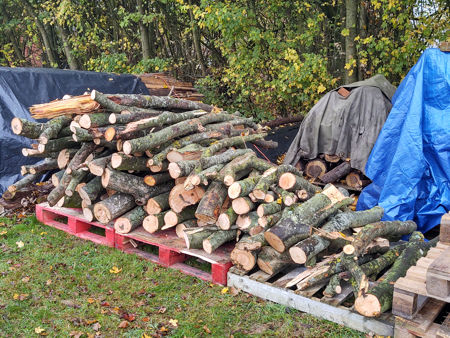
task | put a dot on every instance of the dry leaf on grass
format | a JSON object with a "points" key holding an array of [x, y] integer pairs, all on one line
{"points": [[207, 330], [123, 324], [20, 244], [96, 326], [173, 322], [115, 269], [162, 309]]}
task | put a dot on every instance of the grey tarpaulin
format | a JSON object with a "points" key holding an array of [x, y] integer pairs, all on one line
{"points": [[347, 127], [22, 87]]}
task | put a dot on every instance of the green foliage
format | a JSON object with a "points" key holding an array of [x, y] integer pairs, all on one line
{"points": [[119, 63]]}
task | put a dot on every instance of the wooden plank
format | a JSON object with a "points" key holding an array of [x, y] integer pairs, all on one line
{"points": [[406, 304], [282, 281], [309, 292], [338, 299], [260, 276], [286, 297], [444, 236], [417, 287], [444, 329]]}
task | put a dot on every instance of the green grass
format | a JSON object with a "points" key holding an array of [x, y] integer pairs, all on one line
{"points": [[63, 284]]}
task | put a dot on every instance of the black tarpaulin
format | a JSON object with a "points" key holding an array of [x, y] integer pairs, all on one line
{"points": [[20, 88], [344, 126]]}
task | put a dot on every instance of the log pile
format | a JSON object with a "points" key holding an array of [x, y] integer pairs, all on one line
{"points": [[333, 169]]}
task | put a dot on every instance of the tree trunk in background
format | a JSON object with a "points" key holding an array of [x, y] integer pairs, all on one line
{"points": [[351, 75], [196, 37], [362, 29], [71, 61], [10, 35], [144, 32]]}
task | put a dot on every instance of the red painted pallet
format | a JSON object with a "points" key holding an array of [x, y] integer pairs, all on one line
{"points": [[76, 224], [172, 252]]}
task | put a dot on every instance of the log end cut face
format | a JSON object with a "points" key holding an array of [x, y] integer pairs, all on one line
{"points": [[244, 259], [102, 213], [122, 225], [298, 255], [368, 305], [274, 241]]}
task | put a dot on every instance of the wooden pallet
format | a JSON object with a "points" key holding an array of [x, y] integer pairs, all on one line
{"points": [[310, 300], [172, 252], [73, 222], [423, 323], [410, 292]]}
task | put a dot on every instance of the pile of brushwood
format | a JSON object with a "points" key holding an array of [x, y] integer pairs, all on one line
{"points": [[163, 163]]}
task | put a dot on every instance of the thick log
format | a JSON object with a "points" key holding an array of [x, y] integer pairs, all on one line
{"points": [[179, 198], [210, 205], [132, 185], [45, 165], [217, 238], [355, 180], [378, 229], [269, 197], [230, 171], [310, 247], [53, 127], [268, 208], [271, 262], [194, 237], [110, 103], [270, 177], [120, 161], [243, 188], [57, 145], [73, 201], [176, 130], [172, 218], [94, 120], [182, 168], [202, 177], [227, 219], [179, 229], [251, 243], [379, 299], [154, 223], [130, 221], [88, 212], [247, 222], [97, 166], [335, 174], [331, 158], [156, 179], [64, 157], [113, 207], [242, 205], [158, 203], [91, 191], [27, 128], [20, 184], [56, 177], [189, 152], [289, 181], [316, 168], [243, 259]]}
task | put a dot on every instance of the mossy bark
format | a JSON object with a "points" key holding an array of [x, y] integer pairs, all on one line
{"points": [[25, 128], [217, 238], [231, 142], [210, 205], [158, 203], [20, 184], [130, 220], [194, 237], [113, 206], [271, 262], [227, 219], [120, 161], [92, 190], [53, 127], [57, 145], [269, 208]]}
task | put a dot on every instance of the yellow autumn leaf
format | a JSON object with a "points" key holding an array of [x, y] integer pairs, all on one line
{"points": [[39, 330], [91, 300], [20, 244], [279, 200], [4, 232], [173, 322], [16, 296], [144, 335], [321, 89], [115, 269], [43, 233], [224, 291]]}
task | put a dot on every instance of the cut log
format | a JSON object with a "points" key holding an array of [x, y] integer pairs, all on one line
{"points": [[130, 221], [355, 180], [271, 262], [202, 177], [270, 197], [77, 177], [156, 179], [179, 229], [88, 212], [29, 179], [94, 120], [379, 299], [97, 166], [217, 238], [243, 188], [53, 127], [225, 157], [80, 156], [154, 223], [268, 221], [270, 177], [160, 167], [182, 168], [226, 219], [45, 165], [231, 142], [188, 153], [27, 128], [247, 222], [378, 229], [91, 191], [64, 157], [120, 161], [57, 145], [310, 247], [158, 203], [210, 205], [56, 177], [194, 237], [243, 259], [70, 202], [242, 205], [335, 174], [332, 158], [289, 181], [179, 198], [113, 207], [171, 218], [239, 164], [122, 118], [268, 208], [316, 168]]}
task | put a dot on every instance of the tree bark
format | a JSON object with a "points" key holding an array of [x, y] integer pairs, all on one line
{"points": [[94, 120], [27, 128], [243, 188], [71, 60], [130, 221], [202, 177], [156, 179], [157, 204], [97, 166], [268, 208], [120, 161], [227, 219], [335, 174], [23, 182], [231, 142], [112, 207], [247, 222], [194, 237], [57, 145], [271, 262], [144, 32], [210, 205], [217, 238], [351, 75], [45, 165], [91, 191], [53, 127], [179, 229], [270, 177]]}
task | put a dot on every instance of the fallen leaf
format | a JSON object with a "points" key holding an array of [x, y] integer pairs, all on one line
{"points": [[20, 244], [145, 335], [75, 334], [114, 269], [90, 321], [25, 279], [224, 290], [162, 309], [48, 282], [146, 319], [96, 326], [39, 330], [124, 324], [43, 233], [104, 304], [4, 232], [173, 322], [23, 296], [70, 303], [115, 310], [128, 316], [234, 291], [163, 329], [91, 300], [207, 330]]}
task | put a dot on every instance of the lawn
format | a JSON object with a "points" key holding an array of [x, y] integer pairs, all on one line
{"points": [[55, 284]]}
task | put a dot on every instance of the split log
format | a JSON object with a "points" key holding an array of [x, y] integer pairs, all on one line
{"points": [[64, 157], [194, 237], [121, 161], [226, 219], [154, 223], [247, 222], [289, 181], [179, 198], [113, 207], [57, 145], [242, 205], [158, 203], [268, 208], [179, 229], [335, 174], [378, 229], [316, 168], [172, 218], [130, 220], [379, 299], [97, 166], [217, 238], [271, 262], [310, 247], [156, 179], [132, 185], [53, 127], [91, 191], [210, 205], [27, 128]]}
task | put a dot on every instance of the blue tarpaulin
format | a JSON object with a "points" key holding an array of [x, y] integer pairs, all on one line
{"points": [[410, 162], [20, 88]]}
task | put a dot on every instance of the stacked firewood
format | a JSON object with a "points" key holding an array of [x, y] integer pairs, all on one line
{"points": [[333, 169]]}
